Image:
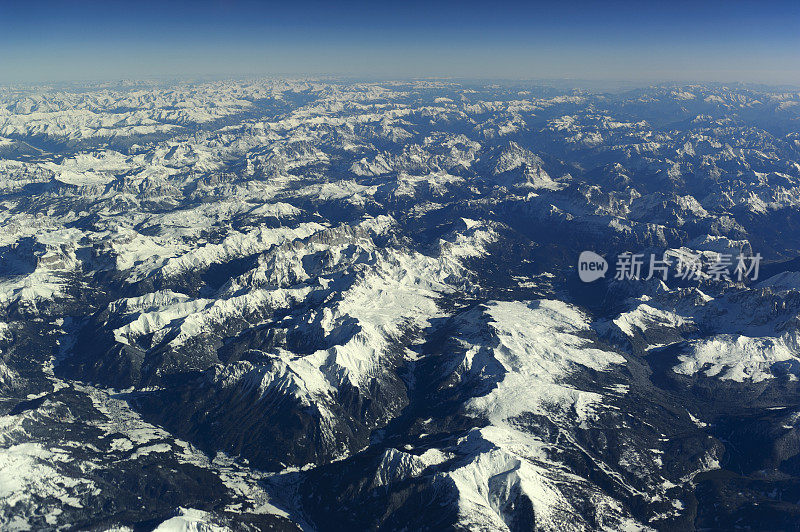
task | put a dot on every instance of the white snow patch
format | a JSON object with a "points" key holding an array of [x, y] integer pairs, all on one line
{"points": [[190, 520], [738, 358], [539, 347]]}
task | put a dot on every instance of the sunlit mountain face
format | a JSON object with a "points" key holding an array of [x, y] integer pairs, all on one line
{"points": [[318, 305]]}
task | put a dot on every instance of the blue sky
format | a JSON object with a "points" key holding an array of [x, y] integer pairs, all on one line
{"points": [[612, 40]]}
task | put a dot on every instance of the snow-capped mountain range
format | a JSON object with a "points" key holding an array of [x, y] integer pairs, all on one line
{"points": [[324, 305]]}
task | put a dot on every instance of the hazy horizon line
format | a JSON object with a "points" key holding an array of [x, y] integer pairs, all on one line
{"points": [[576, 83]]}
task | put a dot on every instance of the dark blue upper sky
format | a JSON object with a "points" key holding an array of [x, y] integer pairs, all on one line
{"points": [[612, 40]]}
